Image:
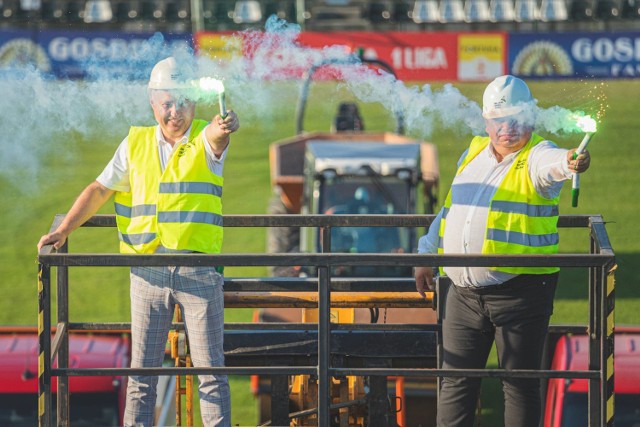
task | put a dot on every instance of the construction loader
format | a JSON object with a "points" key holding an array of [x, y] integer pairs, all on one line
{"points": [[348, 171]]}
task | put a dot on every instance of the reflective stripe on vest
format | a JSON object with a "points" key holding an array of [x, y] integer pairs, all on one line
{"points": [[180, 208], [520, 221]]}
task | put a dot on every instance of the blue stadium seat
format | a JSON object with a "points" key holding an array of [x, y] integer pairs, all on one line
{"points": [[247, 12], [98, 11], [526, 10], [502, 11], [426, 12], [553, 11], [451, 11], [476, 11]]}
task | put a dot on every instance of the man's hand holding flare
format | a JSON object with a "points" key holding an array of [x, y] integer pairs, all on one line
{"points": [[579, 163], [219, 130]]}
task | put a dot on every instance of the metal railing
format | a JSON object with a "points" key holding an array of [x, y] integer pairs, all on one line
{"points": [[600, 262]]}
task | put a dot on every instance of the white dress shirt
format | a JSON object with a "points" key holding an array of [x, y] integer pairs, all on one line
{"points": [[115, 175], [472, 191]]}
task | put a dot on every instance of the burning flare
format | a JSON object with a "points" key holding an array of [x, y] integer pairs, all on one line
{"points": [[209, 84]]}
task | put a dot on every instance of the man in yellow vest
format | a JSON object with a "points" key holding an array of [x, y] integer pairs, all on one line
{"points": [[167, 182], [503, 200]]}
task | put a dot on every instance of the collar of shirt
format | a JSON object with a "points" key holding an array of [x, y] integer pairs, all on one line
{"points": [[492, 154], [162, 140]]}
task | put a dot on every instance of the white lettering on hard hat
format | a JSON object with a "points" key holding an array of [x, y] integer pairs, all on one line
{"points": [[622, 49], [414, 58]]}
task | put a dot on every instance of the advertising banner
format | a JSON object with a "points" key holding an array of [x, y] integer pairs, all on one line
{"points": [[87, 54], [481, 57], [413, 56], [575, 55]]}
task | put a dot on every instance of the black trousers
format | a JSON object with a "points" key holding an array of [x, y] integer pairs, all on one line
{"points": [[516, 316]]}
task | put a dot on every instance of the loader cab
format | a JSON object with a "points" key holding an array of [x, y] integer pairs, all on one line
{"points": [[361, 178]]}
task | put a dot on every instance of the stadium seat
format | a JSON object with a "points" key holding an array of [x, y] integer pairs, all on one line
{"points": [[581, 10], [553, 10], [630, 9], [501, 11], [247, 12], [73, 11], [607, 10], [273, 8], [379, 11], [50, 11], [175, 11], [124, 12], [291, 13], [526, 10], [97, 11], [451, 11], [150, 11], [425, 12], [21, 14], [476, 11], [402, 11]]}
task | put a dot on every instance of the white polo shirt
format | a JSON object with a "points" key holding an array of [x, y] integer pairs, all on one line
{"points": [[115, 175], [472, 191]]}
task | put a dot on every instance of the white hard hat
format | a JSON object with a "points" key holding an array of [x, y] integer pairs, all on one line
{"points": [[506, 96], [168, 75]]}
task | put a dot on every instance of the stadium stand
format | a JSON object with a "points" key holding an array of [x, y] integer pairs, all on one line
{"points": [[581, 10], [607, 10], [97, 11], [74, 12], [329, 15], [176, 11], [247, 12], [526, 10], [426, 12], [553, 10], [630, 9], [452, 11], [476, 11], [380, 11], [501, 11]]}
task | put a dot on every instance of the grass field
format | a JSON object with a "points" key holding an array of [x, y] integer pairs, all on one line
{"points": [[610, 188]]}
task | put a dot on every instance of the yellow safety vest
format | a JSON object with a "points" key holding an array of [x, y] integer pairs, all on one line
{"points": [[520, 221], [180, 208]]}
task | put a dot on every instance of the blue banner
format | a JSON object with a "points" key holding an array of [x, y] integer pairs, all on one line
{"points": [[88, 54], [574, 55]]}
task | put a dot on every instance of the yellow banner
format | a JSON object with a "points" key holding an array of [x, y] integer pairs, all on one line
{"points": [[219, 46], [481, 57]]}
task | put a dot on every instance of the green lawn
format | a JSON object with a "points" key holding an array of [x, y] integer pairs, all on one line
{"points": [[31, 200]]}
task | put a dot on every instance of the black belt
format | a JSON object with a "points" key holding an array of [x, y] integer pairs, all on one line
{"points": [[520, 281]]}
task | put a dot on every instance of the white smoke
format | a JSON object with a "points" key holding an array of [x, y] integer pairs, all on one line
{"points": [[40, 115]]}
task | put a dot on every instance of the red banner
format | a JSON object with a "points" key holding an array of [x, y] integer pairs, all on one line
{"points": [[413, 56]]}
